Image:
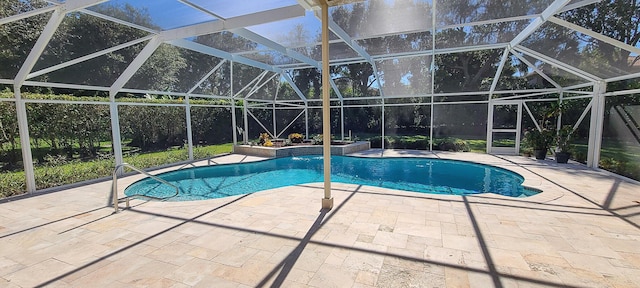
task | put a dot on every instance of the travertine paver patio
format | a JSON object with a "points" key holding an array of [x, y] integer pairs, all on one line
{"points": [[582, 231]]}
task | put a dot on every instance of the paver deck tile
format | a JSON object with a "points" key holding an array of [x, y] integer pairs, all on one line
{"points": [[582, 231]]}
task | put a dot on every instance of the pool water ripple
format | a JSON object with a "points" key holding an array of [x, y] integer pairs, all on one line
{"points": [[424, 175]]}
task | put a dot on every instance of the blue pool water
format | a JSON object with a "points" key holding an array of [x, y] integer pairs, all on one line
{"points": [[423, 175]]}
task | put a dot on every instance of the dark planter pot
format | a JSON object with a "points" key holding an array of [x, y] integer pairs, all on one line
{"points": [[562, 157], [540, 154]]}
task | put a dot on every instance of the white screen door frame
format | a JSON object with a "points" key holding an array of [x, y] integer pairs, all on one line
{"points": [[495, 131]]}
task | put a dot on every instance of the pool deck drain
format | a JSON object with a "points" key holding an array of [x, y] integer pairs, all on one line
{"points": [[582, 231]]}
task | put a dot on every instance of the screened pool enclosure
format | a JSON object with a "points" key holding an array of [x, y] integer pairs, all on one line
{"points": [[95, 79]]}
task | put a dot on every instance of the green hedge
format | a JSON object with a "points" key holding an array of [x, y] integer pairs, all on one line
{"points": [[624, 168], [419, 142], [60, 172], [451, 144], [82, 130]]}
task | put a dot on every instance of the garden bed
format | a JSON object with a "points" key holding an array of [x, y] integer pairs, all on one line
{"points": [[338, 148]]}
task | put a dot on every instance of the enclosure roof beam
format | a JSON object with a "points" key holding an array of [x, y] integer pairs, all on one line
{"points": [[121, 22], [503, 61], [552, 9], [595, 35], [345, 37], [578, 86], [624, 77], [221, 54], [64, 86], [180, 94], [47, 33], [257, 18], [376, 75], [258, 38], [407, 55], [350, 42], [622, 92], [39, 46], [475, 23], [74, 5], [356, 47], [199, 8], [275, 46], [258, 86], [335, 88], [294, 86], [440, 51], [566, 67], [27, 14], [535, 69], [87, 57], [507, 98], [137, 62], [222, 61], [578, 5], [250, 83]]}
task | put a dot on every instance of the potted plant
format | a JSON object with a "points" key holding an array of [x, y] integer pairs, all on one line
{"points": [[265, 139], [539, 141], [563, 145], [296, 137]]}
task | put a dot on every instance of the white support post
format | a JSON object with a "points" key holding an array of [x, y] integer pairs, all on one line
{"points": [[273, 114], [489, 125], [342, 120], [23, 128], [234, 122], [306, 120], [376, 76], [245, 108], [382, 125], [116, 141], [21, 108], [559, 119], [327, 200], [518, 128], [146, 52], [187, 110], [433, 68], [596, 125]]}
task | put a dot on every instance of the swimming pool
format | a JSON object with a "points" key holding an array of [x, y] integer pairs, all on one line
{"points": [[423, 175]]}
